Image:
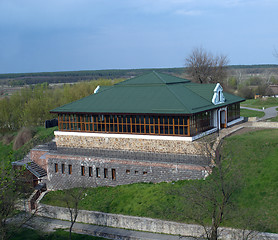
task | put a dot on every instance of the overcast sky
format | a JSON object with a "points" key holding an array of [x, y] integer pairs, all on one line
{"points": [[62, 35]]}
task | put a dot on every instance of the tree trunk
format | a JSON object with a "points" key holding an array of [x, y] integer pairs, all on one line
{"points": [[213, 233], [70, 230]]}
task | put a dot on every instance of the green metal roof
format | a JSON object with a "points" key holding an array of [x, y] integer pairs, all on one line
{"points": [[152, 93]]}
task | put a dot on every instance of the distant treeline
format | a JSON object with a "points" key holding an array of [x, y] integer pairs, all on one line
{"points": [[31, 105], [20, 79]]}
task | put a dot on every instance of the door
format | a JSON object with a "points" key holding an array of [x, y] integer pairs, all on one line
{"points": [[223, 119]]}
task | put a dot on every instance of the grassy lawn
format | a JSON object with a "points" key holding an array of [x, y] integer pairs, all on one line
{"points": [[258, 161], [58, 234], [260, 103], [250, 113], [273, 119]]}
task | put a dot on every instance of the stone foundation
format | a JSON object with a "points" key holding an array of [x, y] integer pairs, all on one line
{"points": [[157, 144]]}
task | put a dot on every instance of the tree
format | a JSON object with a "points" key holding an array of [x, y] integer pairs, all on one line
{"points": [[209, 200], [72, 198], [11, 192], [206, 68]]}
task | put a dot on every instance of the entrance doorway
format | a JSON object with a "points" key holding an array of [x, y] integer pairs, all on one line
{"points": [[223, 119]]}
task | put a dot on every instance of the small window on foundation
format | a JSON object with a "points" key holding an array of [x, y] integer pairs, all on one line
{"points": [[56, 167], [105, 172], [97, 173], [90, 171], [63, 168], [70, 169], [113, 174], [144, 173], [136, 172], [127, 171], [82, 171]]}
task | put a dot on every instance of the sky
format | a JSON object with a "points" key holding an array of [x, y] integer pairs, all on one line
{"points": [[69, 35]]}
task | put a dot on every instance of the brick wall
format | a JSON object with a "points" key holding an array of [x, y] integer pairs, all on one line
{"points": [[38, 157]]}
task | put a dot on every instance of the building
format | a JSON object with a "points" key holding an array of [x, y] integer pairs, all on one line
{"points": [[140, 130]]}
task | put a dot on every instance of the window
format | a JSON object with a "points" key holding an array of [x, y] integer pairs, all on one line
{"points": [[63, 168], [82, 171], [90, 171], [56, 167], [113, 174], [105, 173], [127, 171], [70, 169], [136, 172], [144, 173], [97, 172]]}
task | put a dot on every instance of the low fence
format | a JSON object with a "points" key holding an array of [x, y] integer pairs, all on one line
{"points": [[147, 224]]}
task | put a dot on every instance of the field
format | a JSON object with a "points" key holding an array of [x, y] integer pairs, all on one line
{"points": [[260, 103], [258, 161], [250, 113]]}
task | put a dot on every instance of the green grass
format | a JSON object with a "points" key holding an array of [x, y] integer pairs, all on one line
{"points": [[258, 161], [58, 234], [260, 103], [250, 113], [275, 119]]}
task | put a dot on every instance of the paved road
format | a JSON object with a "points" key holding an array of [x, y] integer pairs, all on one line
{"points": [[49, 224], [269, 112]]}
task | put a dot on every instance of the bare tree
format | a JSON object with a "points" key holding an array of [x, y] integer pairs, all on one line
{"points": [[210, 200], [205, 67], [72, 198]]}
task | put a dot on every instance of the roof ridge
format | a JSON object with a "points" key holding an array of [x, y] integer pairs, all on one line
{"points": [[157, 75], [201, 95], [178, 98]]}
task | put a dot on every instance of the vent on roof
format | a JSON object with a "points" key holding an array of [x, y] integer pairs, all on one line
{"points": [[218, 96], [97, 88]]}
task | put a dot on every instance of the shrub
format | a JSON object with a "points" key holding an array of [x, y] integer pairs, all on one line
{"points": [[7, 139], [23, 136]]}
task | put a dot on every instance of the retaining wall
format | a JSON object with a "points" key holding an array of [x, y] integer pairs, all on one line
{"points": [[264, 124], [144, 224]]}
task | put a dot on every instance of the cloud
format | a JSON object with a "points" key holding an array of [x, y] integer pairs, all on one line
{"points": [[189, 12]]}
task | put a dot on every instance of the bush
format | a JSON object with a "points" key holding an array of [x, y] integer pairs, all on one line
{"points": [[23, 136], [246, 92], [7, 139]]}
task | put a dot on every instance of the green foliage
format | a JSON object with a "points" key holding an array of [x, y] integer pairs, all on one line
{"points": [[255, 81], [42, 135], [232, 83], [246, 92], [260, 103], [20, 79], [31, 105], [258, 161], [250, 113], [30, 234]]}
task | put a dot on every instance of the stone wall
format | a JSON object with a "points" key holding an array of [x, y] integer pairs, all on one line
{"points": [[162, 145], [145, 224], [98, 171], [265, 124]]}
